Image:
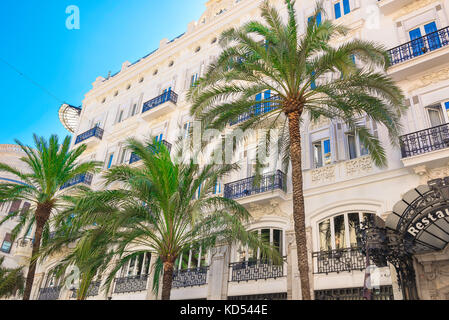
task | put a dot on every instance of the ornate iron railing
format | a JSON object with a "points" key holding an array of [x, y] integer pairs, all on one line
{"points": [[267, 296], [51, 293], [93, 290], [166, 96], [85, 178], [249, 186], [339, 260], [131, 284], [258, 109], [381, 293], [419, 46], [94, 132], [190, 277], [255, 270], [424, 141], [135, 158]]}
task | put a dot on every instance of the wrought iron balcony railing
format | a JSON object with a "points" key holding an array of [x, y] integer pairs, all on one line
{"points": [[258, 109], [51, 293], [135, 158], [94, 132], [424, 141], [255, 270], [379, 293], [190, 277], [166, 96], [419, 46], [93, 290], [249, 186], [85, 178], [131, 284], [339, 260]]}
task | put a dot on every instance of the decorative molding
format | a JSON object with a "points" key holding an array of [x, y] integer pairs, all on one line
{"points": [[319, 123], [323, 174], [258, 211], [358, 166], [412, 7], [430, 78]]}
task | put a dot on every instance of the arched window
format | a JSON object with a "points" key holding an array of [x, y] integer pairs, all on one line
{"points": [[340, 231], [272, 236]]}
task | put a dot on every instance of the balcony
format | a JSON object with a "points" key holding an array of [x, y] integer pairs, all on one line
{"points": [[90, 137], [429, 146], [255, 270], [419, 55], [159, 106], [249, 186], [85, 178], [340, 260], [51, 293], [257, 110], [131, 284], [390, 6], [190, 277], [135, 158], [93, 290]]}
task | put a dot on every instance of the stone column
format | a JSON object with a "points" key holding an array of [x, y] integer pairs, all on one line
{"points": [[218, 275], [397, 292], [150, 293]]}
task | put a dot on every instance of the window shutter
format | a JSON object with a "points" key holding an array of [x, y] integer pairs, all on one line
{"points": [[15, 206]]}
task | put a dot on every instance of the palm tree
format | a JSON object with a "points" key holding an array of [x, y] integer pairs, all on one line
{"points": [[164, 208], [307, 77], [50, 165], [11, 280]]}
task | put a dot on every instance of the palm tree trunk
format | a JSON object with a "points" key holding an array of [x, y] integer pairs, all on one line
{"points": [[42, 214], [298, 203], [167, 280]]}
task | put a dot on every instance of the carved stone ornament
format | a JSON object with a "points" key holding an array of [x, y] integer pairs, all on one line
{"points": [[272, 209], [412, 7], [359, 165], [323, 174]]}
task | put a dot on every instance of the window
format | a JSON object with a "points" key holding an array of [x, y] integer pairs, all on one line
{"points": [[193, 80], [195, 257], [338, 5], [318, 19], [138, 265], [120, 116], [111, 158], [186, 129], [435, 114], [340, 231], [419, 45], [217, 187], [271, 236], [15, 205], [52, 281], [6, 245], [355, 147], [322, 153], [134, 109], [122, 156]]}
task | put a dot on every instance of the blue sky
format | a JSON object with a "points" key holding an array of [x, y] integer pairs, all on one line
{"points": [[35, 40]]}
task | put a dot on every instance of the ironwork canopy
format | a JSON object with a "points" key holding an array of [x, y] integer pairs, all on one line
{"points": [[69, 116], [422, 217]]}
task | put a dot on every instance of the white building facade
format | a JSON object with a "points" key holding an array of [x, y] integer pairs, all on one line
{"points": [[342, 185]]}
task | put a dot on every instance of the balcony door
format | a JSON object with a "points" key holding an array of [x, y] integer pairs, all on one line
{"points": [[431, 42]]}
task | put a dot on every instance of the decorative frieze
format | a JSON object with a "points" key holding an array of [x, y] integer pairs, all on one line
{"points": [[323, 174], [412, 7], [430, 78], [358, 166]]}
